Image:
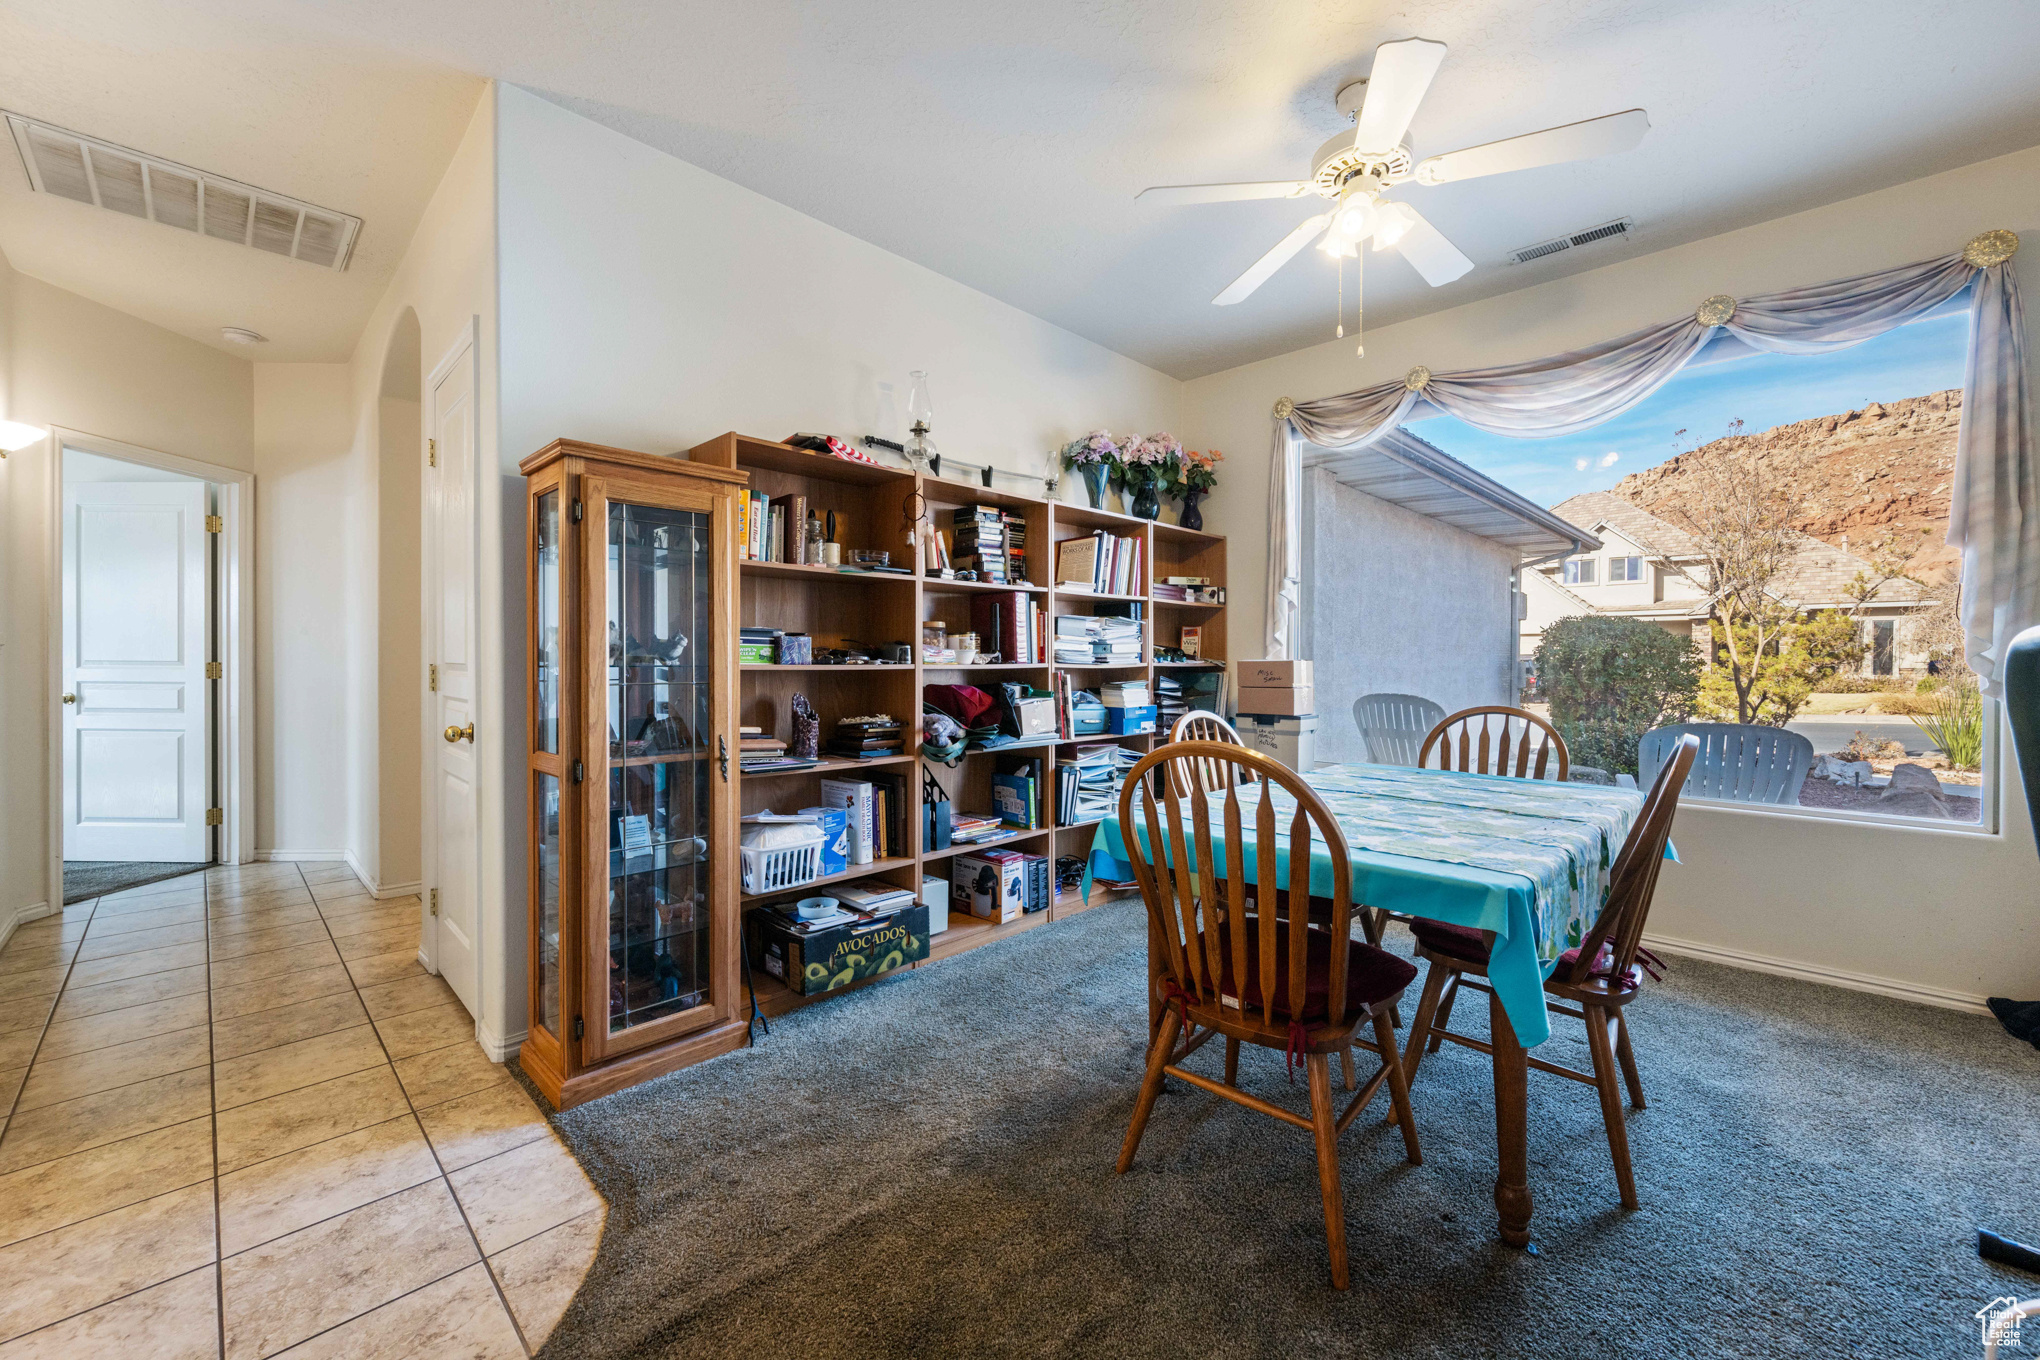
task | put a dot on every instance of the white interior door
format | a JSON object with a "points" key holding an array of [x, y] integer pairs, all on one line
{"points": [[453, 855], [136, 714]]}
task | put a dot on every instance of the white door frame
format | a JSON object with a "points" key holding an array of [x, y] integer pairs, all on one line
{"points": [[234, 606], [470, 340]]}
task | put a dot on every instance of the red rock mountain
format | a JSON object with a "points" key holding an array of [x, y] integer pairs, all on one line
{"points": [[1857, 477]]}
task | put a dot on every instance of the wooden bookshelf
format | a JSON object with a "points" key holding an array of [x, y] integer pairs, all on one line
{"points": [[838, 608]]}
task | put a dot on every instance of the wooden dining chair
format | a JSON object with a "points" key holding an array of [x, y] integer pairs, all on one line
{"points": [[1232, 967], [1496, 740], [1198, 725], [1593, 983]]}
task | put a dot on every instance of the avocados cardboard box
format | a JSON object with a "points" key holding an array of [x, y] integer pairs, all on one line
{"points": [[840, 955]]}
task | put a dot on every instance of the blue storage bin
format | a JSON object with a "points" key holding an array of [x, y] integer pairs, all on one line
{"points": [[835, 824], [1087, 720], [1130, 722]]}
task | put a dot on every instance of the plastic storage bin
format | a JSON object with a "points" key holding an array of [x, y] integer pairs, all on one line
{"points": [[1130, 722], [1293, 741], [781, 855]]}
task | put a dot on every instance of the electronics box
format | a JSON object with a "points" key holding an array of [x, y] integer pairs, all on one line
{"points": [[1275, 674], [935, 897], [839, 956], [1285, 702], [835, 824], [1130, 722], [1292, 740], [991, 886]]}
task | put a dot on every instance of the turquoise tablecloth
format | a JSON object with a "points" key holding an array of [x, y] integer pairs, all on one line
{"points": [[1521, 858]]}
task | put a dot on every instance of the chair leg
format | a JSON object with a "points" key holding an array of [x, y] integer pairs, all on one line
{"points": [[1150, 1086], [1322, 1123], [1627, 1056], [1346, 1069], [1232, 1061], [1443, 1020], [1398, 1087], [1427, 1008], [1598, 1025], [1372, 923]]}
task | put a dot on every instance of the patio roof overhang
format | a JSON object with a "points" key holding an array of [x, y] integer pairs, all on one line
{"points": [[1404, 470]]}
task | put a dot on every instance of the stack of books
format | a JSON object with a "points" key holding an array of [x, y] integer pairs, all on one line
{"points": [[1169, 703], [758, 753], [868, 738], [1097, 640], [969, 828], [979, 543], [1125, 694], [1074, 638], [1088, 786]]}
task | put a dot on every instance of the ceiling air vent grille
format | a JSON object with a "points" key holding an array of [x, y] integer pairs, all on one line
{"points": [[1607, 231], [86, 170]]}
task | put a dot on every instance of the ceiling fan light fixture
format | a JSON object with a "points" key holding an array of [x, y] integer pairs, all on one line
{"points": [[1354, 218], [1392, 222]]}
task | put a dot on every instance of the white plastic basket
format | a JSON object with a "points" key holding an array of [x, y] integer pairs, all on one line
{"points": [[771, 870]]}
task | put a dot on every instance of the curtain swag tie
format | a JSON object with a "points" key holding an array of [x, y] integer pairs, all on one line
{"points": [[1994, 511]]}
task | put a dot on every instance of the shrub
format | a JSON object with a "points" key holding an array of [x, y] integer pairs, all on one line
{"points": [[1610, 680], [1848, 683], [1906, 705], [1955, 724]]}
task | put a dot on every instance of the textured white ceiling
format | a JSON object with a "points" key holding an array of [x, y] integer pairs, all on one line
{"points": [[222, 86], [1002, 144]]}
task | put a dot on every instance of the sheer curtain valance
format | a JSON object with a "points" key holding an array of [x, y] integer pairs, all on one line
{"points": [[1995, 515]]}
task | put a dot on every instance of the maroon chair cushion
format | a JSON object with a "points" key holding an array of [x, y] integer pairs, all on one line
{"points": [[1604, 967], [1459, 942], [1372, 975]]}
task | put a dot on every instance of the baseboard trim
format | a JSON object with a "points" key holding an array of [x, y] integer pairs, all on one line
{"points": [[301, 856], [380, 891], [499, 1050], [1832, 977]]}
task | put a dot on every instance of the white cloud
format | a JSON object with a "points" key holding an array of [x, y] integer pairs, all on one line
{"points": [[1580, 464], [1610, 458]]}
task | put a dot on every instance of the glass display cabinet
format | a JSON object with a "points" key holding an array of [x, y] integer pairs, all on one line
{"points": [[632, 701]]}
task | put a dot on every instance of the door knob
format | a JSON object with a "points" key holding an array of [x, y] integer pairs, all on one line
{"points": [[70, 698], [459, 733]]}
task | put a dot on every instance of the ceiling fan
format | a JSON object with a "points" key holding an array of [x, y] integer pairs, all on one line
{"points": [[1354, 171]]}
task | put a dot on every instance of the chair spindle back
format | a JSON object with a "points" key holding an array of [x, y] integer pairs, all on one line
{"points": [[1394, 725], [1198, 725], [1202, 920], [1633, 880], [1496, 740]]}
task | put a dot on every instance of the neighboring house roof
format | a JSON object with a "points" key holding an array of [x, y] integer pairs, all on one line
{"points": [[1605, 507], [1419, 476], [1817, 575]]}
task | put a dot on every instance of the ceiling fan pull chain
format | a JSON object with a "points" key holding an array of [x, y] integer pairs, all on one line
{"points": [[1342, 299], [1359, 323]]}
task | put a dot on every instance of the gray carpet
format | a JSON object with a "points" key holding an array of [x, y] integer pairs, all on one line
{"points": [[924, 1168], [85, 879]]}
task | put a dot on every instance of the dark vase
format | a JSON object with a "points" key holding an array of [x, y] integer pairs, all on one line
{"points": [[1146, 504], [1094, 483], [1192, 517]]}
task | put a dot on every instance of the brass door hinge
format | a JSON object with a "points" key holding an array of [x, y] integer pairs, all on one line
{"points": [[432, 677], [214, 524], [215, 816], [432, 453], [579, 1028], [214, 670], [435, 901]]}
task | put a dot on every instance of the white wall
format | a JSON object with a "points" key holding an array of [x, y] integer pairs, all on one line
{"points": [[651, 305], [1421, 608], [1947, 913], [79, 365], [303, 496]]}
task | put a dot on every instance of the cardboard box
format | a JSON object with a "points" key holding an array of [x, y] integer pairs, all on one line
{"points": [[1288, 702], [1275, 675], [991, 885], [835, 824], [836, 957], [935, 897]]}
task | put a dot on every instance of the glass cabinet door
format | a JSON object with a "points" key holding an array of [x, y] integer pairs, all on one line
{"points": [[662, 776], [547, 661]]}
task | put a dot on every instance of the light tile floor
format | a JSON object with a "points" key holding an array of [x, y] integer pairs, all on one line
{"points": [[238, 1119]]}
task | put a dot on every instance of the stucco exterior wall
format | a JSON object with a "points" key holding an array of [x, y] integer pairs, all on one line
{"points": [[1396, 602]]}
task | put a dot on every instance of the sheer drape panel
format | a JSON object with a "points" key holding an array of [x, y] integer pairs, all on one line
{"points": [[1996, 512]]}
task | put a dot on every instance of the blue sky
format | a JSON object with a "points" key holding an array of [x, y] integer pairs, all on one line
{"points": [[1762, 390]]}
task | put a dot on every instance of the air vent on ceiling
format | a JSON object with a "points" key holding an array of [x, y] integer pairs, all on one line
{"points": [[1607, 231], [87, 170]]}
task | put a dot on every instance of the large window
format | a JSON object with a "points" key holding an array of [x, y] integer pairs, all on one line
{"points": [[1792, 513]]}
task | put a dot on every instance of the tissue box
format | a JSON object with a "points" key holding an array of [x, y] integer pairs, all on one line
{"points": [[835, 824]]}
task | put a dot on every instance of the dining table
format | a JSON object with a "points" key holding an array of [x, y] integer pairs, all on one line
{"points": [[1524, 861]]}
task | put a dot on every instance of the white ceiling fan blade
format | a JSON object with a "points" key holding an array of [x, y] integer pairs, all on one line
{"points": [[1436, 258], [1239, 289], [1169, 194], [1402, 73], [1572, 142]]}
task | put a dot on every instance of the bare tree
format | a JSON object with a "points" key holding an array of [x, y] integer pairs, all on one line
{"points": [[1890, 557]]}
